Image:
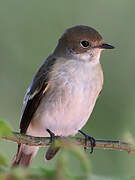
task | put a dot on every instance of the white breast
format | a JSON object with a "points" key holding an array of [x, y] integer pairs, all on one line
{"points": [[66, 107]]}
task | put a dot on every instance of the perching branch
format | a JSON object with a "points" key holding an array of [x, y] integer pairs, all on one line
{"points": [[45, 141]]}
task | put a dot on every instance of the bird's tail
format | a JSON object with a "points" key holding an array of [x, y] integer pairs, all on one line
{"points": [[24, 155]]}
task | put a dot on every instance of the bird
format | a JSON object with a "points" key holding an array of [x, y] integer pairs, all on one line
{"points": [[64, 90]]}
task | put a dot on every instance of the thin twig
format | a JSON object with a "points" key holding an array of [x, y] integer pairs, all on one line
{"points": [[45, 141]]}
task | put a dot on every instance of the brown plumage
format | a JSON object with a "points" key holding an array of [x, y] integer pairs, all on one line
{"points": [[39, 85]]}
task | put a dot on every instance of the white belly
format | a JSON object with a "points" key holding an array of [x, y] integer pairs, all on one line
{"points": [[66, 108]]}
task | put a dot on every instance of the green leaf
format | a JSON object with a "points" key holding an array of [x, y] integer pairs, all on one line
{"points": [[3, 161], [73, 163], [5, 130]]}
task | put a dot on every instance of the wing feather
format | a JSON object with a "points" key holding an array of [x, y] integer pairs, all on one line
{"points": [[35, 93]]}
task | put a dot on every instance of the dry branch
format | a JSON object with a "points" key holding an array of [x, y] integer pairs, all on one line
{"points": [[45, 141]]}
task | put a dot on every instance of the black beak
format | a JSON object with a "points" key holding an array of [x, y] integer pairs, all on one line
{"points": [[106, 46]]}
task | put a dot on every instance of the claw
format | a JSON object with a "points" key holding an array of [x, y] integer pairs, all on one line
{"points": [[93, 143], [52, 135], [53, 149], [88, 138]]}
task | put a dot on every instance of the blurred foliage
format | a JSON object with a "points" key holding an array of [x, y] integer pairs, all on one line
{"points": [[29, 32], [62, 171], [4, 129]]}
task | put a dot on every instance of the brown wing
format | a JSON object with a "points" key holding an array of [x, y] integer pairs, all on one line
{"points": [[35, 94]]}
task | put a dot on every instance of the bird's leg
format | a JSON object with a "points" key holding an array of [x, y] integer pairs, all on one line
{"points": [[52, 135], [88, 138]]}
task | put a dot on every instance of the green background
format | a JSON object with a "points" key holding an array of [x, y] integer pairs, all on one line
{"points": [[29, 30]]}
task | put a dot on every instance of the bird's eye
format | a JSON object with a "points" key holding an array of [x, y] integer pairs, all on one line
{"points": [[85, 43]]}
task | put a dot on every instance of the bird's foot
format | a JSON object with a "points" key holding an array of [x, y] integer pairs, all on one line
{"points": [[52, 135], [89, 138], [54, 148]]}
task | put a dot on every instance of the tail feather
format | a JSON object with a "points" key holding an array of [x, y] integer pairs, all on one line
{"points": [[24, 155]]}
